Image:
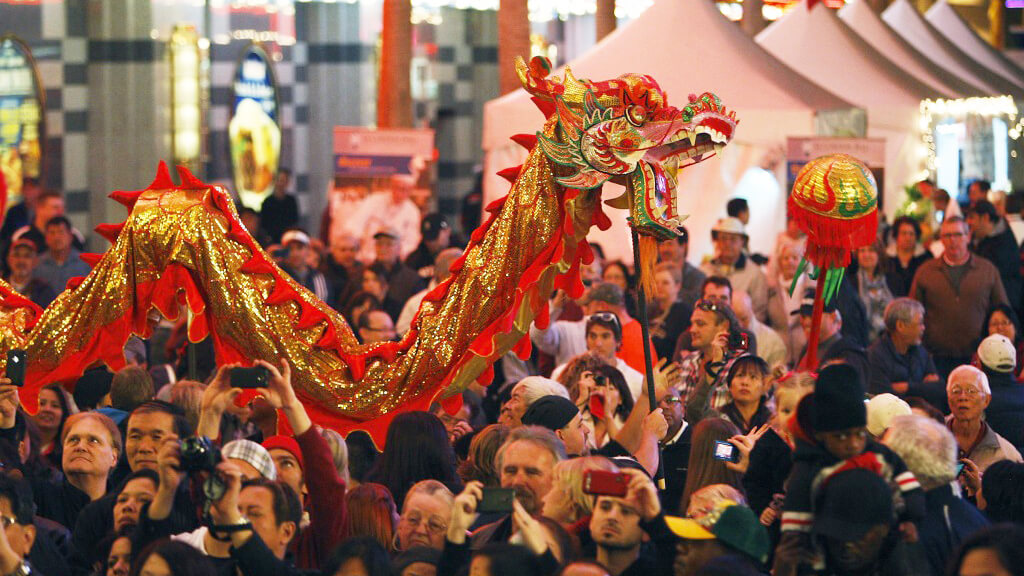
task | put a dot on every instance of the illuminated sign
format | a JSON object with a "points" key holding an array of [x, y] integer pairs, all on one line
{"points": [[254, 133], [21, 116]]}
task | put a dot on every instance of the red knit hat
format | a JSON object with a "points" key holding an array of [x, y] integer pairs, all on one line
{"points": [[286, 443]]}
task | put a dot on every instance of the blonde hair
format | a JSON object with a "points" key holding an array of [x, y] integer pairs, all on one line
{"points": [[800, 383], [115, 434], [704, 500], [568, 477]]}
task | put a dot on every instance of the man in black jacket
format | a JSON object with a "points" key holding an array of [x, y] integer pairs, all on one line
{"points": [[833, 345], [992, 239]]}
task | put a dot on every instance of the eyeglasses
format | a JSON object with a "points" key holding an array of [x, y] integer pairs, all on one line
{"points": [[610, 317], [434, 524], [670, 400], [969, 392], [952, 235], [7, 521], [711, 305]]}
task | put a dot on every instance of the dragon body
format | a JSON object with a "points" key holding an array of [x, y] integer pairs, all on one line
{"points": [[184, 247]]}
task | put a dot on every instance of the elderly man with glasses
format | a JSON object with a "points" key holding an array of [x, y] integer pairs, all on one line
{"points": [[969, 394]]}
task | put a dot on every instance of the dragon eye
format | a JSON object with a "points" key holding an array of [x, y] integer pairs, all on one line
{"points": [[636, 114]]}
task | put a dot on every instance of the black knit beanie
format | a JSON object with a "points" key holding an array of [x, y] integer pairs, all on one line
{"points": [[838, 399]]}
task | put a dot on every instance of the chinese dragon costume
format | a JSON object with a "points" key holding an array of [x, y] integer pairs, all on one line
{"points": [[185, 246]]}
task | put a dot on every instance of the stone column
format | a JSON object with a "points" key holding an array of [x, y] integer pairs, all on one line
{"points": [[129, 102], [605, 18], [394, 96], [513, 40], [335, 73], [753, 20]]}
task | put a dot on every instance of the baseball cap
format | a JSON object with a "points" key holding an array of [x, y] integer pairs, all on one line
{"points": [[251, 452], [851, 503], [807, 304], [295, 236], [729, 225], [729, 523], [997, 353], [432, 226], [551, 412], [288, 444], [387, 232], [24, 242], [882, 409], [605, 292]]}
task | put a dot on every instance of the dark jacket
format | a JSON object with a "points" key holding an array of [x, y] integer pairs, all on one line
{"points": [[899, 278], [948, 521], [667, 333], [1005, 412], [1001, 250], [838, 347], [771, 461], [96, 521], [855, 327], [278, 215], [676, 459], [889, 366], [38, 291], [403, 282]]}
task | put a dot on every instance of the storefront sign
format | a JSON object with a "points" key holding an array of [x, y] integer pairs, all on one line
{"points": [[21, 116], [254, 132], [801, 150]]}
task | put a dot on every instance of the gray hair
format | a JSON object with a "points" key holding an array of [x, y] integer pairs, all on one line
{"points": [[979, 378], [901, 310], [927, 447], [432, 488], [536, 387], [536, 435]]}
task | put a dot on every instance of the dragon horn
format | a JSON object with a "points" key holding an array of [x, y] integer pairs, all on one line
{"points": [[533, 77]]}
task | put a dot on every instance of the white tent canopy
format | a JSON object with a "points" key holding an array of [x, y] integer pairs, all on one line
{"points": [[908, 23], [946, 20], [816, 41], [689, 48], [859, 16]]}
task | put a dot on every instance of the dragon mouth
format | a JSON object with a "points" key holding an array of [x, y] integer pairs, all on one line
{"points": [[690, 146], [656, 195]]}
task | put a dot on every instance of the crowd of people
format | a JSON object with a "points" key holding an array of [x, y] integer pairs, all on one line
{"points": [[898, 453]]}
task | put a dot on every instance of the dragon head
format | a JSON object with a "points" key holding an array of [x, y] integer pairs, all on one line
{"points": [[624, 129]]}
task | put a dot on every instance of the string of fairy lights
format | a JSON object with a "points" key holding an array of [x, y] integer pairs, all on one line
{"points": [[935, 111]]}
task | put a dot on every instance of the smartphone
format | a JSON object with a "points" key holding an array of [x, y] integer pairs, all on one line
{"points": [[959, 469], [16, 367], [738, 341], [255, 377], [597, 405], [601, 483], [496, 500], [726, 451]]}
